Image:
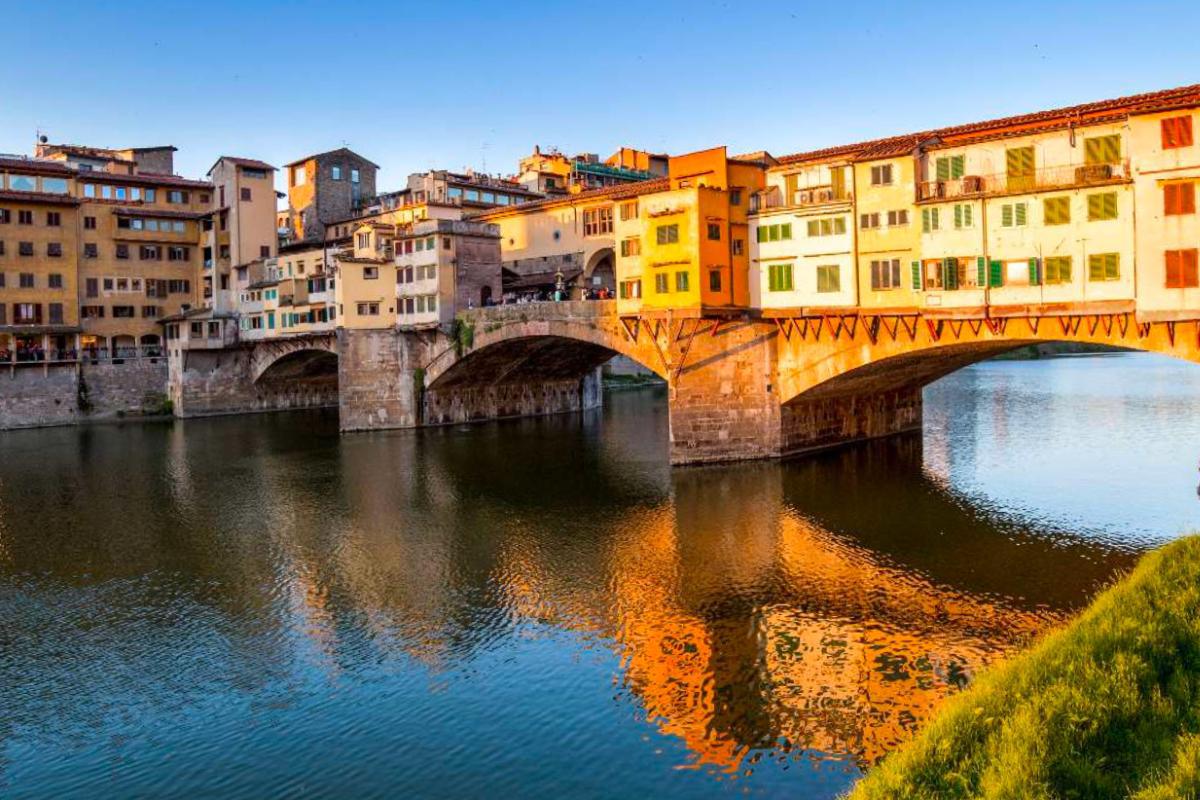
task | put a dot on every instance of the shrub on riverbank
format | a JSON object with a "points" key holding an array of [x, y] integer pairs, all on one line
{"points": [[1107, 707]]}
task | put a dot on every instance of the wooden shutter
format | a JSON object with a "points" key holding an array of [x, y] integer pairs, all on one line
{"points": [[943, 169], [950, 273], [814, 228], [1174, 277], [895, 282], [995, 273], [980, 272], [958, 216], [838, 177], [1019, 214], [1035, 277], [874, 274], [1006, 215], [1102, 149], [762, 233], [1020, 167], [916, 276], [925, 220], [785, 230], [1188, 268], [1056, 210]]}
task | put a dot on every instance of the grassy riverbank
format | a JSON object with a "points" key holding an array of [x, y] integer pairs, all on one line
{"points": [[1107, 707]]}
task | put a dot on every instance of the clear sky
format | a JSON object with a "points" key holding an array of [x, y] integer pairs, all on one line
{"points": [[456, 84]]}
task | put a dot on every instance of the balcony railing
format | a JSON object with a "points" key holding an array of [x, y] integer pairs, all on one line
{"points": [[1062, 177], [801, 198]]}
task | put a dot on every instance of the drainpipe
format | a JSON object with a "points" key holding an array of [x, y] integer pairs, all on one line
{"points": [[854, 230]]}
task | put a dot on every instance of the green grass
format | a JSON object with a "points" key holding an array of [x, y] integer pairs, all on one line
{"points": [[1107, 707]]}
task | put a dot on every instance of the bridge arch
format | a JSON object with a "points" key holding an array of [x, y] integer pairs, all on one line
{"points": [[301, 357], [601, 264]]}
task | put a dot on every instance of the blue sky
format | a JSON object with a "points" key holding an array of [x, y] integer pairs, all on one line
{"points": [[450, 85]]}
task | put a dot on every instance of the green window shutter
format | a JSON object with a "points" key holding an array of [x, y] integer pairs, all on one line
{"points": [[1006, 215], [934, 214], [949, 273], [1019, 210], [1034, 277], [1110, 205], [814, 228], [839, 225], [957, 166], [1112, 266], [958, 216], [1095, 268], [916, 276], [925, 220], [785, 231], [943, 169], [968, 213], [762, 234], [787, 277], [996, 273], [980, 272]]}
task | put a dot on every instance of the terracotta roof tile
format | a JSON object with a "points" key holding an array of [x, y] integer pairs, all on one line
{"points": [[619, 192]]}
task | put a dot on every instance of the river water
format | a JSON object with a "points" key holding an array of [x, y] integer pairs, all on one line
{"points": [[257, 606]]}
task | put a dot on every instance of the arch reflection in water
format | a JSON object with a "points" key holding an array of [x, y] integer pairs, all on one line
{"points": [[450, 610]]}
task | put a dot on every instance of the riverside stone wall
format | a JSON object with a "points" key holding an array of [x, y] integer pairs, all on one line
{"points": [[40, 395]]}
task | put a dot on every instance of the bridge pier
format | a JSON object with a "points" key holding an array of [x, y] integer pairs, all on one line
{"points": [[820, 422]]}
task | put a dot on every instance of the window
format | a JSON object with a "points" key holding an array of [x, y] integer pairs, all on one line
{"points": [[177, 196], [1102, 149], [631, 290], [150, 253], [1179, 198], [336, 172], [1176, 132], [929, 220], [26, 280], [1057, 269], [89, 190], [714, 232], [661, 284], [89, 223], [714, 280], [779, 277], [1019, 163], [56, 313], [667, 234], [55, 280], [25, 248], [829, 277], [897, 218], [1014, 215], [597, 221], [1181, 269], [245, 194], [54, 250], [963, 213], [885, 274], [264, 251], [780, 232], [824, 227], [24, 217], [881, 175], [949, 168], [27, 313], [735, 197], [631, 246], [106, 192], [150, 195], [1056, 210], [739, 247], [176, 253], [179, 287], [123, 312], [149, 312], [91, 250], [5, 216], [1102, 206], [122, 252], [354, 179], [1104, 266], [91, 312], [370, 273], [681, 281], [22, 183], [54, 219], [868, 221], [214, 330], [368, 309]]}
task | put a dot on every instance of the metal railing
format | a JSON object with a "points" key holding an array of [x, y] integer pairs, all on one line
{"points": [[1061, 177]]}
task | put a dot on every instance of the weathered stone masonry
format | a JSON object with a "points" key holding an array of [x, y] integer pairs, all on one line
{"points": [[38, 395]]}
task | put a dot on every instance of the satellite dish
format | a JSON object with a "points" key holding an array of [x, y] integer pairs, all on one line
{"points": [[43, 138]]}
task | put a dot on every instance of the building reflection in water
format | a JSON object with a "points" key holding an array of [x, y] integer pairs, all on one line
{"points": [[818, 609]]}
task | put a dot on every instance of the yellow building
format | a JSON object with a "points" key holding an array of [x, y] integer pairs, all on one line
{"points": [[685, 247]]}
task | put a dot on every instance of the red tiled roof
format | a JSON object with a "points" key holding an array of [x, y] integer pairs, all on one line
{"points": [[619, 192], [36, 165], [252, 163], [143, 179], [345, 150], [1086, 113], [148, 211]]}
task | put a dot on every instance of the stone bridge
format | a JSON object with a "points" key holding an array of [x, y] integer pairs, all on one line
{"points": [[739, 387]]}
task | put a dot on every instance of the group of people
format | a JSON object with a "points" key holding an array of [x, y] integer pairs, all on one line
{"points": [[547, 296]]}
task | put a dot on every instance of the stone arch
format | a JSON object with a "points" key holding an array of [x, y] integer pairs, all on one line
{"points": [[601, 264], [299, 353], [545, 344]]}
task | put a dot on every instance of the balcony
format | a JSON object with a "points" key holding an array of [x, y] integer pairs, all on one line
{"points": [[773, 198], [1071, 176]]}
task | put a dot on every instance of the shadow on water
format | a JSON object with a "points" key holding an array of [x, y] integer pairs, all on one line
{"points": [[536, 606]]}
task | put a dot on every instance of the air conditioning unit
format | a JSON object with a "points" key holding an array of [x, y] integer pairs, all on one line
{"points": [[972, 184], [824, 195], [806, 196], [1093, 173], [936, 189]]}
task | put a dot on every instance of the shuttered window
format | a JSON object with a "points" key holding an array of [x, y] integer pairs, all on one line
{"points": [[823, 227], [681, 281], [1056, 211], [962, 215], [1020, 167], [1058, 269], [885, 274], [1181, 269], [1179, 198], [779, 278], [1102, 206], [829, 278], [1102, 149], [667, 234], [949, 167], [1104, 266], [915, 269], [662, 283], [1176, 132], [929, 219], [1014, 215]]}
